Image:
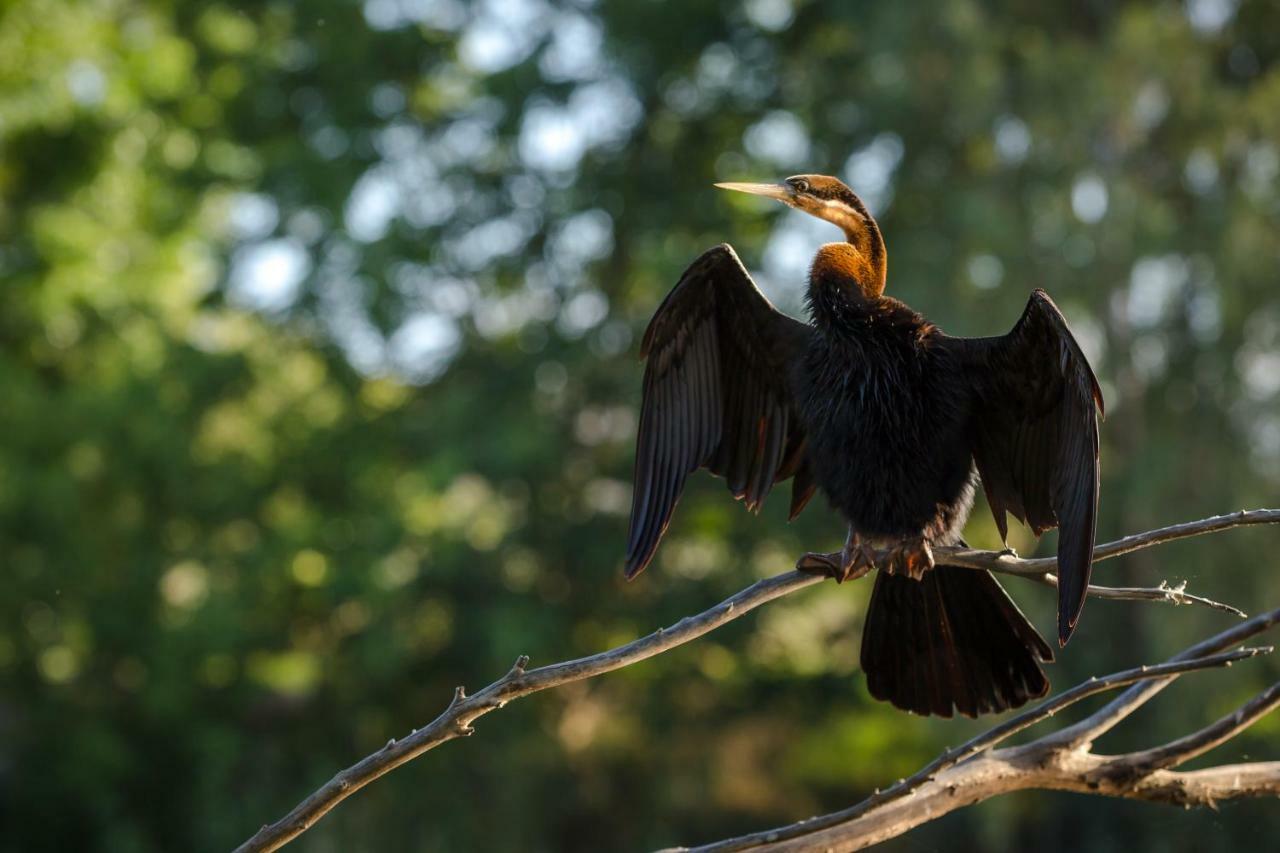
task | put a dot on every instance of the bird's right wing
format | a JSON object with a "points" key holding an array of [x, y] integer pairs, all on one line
{"points": [[717, 396], [1036, 438]]}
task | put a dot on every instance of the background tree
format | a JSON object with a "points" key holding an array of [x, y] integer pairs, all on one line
{"points": [[318, 344]]}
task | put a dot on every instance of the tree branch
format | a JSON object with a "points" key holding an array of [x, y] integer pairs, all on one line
{"points": [[1169, 594], [1006, 771], [1110, 715], [981, 743], [974, 772], [1013, 565], [463, 710], [1182, 750]]}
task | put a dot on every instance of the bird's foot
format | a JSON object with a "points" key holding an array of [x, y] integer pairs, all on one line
{"points": [[910, 557], [1006, 551], [851, 562], [825, 565]]}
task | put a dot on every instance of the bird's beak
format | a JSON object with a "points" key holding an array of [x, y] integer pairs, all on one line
{"points": [[780, 192]]}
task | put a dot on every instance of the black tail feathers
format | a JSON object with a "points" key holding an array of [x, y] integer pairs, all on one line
{"points": [[952, 640]]}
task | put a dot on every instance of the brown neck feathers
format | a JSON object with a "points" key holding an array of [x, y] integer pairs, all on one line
{"points": [[866, 238], [849, 262], [847, 212]]}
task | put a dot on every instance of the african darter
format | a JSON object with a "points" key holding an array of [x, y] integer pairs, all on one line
{"points": [[891, 419]]}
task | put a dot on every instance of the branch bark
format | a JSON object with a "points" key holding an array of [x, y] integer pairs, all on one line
{"points": [[1013, 565], [974, 772], [1006, 771], [462, 711]]}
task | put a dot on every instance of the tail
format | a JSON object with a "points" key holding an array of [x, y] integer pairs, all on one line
{"points": [[953, 639]]}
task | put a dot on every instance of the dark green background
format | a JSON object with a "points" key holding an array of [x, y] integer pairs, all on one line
{"points": [[318, 395]]}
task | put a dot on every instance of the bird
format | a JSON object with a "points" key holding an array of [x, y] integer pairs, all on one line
{"points": [[894, 421]]}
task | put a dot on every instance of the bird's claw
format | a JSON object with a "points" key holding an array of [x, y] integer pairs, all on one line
{"points": [[861, 559], [850, 563], [825, 565], [911, 557], [1007, 551]]}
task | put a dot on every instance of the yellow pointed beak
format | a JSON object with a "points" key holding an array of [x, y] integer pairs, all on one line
{"points": [[780, 192]]}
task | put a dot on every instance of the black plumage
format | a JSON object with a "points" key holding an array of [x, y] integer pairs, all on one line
{"points": [[892, 419]]}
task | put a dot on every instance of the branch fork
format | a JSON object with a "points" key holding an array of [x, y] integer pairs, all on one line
{"points": [[1061, 760]]}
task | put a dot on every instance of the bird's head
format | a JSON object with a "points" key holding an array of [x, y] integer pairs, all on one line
{"points": [[828, 198], [818, 195]]}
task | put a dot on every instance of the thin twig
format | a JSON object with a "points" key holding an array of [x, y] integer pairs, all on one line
{"points": [[980, 743], [1169, 594], [456, 720], [1182, 750], [1009, 564], [1114, 712]]}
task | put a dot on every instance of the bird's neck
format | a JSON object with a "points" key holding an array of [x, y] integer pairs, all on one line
{"points": [[870, 263], [847, 279], [870, 244], [863, 233]]}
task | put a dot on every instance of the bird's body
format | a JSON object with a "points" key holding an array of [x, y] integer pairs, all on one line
{"points": [[892, 419], [887, 418]]}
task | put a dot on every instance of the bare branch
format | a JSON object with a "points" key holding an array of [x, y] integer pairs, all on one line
{"points": [[1009, 564], [974, 772], [1106, 718], [1210, 786], [462, 711], [1006, 771], [1169, 594], [1197, 743], [981, 743]]}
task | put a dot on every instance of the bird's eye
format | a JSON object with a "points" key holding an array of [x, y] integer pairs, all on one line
{"points": [[800, 185]]}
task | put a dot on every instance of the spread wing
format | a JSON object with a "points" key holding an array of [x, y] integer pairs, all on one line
{"points": [[716, 396], [1036, 438]]}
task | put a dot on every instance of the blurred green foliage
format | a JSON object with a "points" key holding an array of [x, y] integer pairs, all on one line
{"points": [[319, 394]]}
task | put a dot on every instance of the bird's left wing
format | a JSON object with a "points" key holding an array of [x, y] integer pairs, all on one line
{"points": [[717, 394], [1036, 438]]}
